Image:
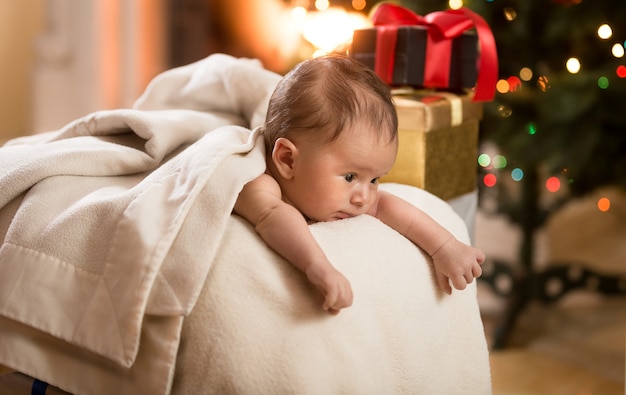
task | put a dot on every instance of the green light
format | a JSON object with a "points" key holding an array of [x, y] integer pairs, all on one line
{"points": [[499, 162], [603, 82], [484, 160], [532, 129]]}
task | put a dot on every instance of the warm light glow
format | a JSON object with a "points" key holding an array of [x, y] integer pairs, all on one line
{"points": [[505, 111], [298, 13], [573, 65], [502, 86], [605, 31], [322, 5], [455, 4], [329, 30], [510, 14], [543, 82], [358, 4], [617, 50]]}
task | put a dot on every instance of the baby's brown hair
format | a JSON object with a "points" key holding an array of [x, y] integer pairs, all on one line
{"points": [[329, 94]]}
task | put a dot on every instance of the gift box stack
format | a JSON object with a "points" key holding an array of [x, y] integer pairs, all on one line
{"points": [[441, 67]]}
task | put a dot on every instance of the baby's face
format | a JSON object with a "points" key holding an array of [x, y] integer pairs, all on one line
{"points": [[339, 180]]}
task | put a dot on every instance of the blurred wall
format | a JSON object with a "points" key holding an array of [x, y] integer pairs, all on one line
{"points": [[95, 55], [20, 23]]}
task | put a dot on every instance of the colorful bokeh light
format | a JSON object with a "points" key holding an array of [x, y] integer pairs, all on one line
{"points": [[526, 74], [502, 86], [605, 31], [603, 82], [517, 174], [543, 83], [604, 204], [484, 160], [572, 65], [553, 184], [499, 161], [490, 180], [514, 83], [621, 71]]}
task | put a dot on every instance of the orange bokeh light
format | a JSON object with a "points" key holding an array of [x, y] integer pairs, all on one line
{"points": [[604, 204]]}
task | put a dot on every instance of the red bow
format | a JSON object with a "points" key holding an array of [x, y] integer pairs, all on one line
{"points": [[442, 26]]}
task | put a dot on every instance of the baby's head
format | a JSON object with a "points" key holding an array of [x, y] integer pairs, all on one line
{"points": [[322, 97]]}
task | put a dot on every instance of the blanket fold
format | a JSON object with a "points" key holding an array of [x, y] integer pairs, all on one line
{"points": [[102, 201]]}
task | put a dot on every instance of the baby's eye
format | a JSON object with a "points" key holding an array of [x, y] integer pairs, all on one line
{"points": [[350, 177], [375, 180]]}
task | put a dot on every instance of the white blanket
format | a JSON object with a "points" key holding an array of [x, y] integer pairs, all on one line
{"points": [[111, 225]]}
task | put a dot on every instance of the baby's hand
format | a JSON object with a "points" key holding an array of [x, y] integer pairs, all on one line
{"points": [[458, 263], [333, 285]]}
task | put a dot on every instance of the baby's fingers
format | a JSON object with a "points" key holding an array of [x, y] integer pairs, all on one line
{"points": [[443, 283], [477, 271], [460, 281], [338, 298]]}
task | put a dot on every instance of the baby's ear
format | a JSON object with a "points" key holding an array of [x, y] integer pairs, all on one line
{"points": [[283, 156]]}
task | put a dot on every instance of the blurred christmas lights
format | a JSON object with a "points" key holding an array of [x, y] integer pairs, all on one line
{"points": [[604, 204], [484, 160], [526, 74], [489, 180], [517, 174], [617, 50], [331, 28], [553, 184], [514, 83], [455, 4], [603, 82], [543, 83], [605, 32], [572, 65], [499, 161]]}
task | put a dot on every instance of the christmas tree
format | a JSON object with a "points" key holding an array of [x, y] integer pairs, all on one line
{"points": [[558, 112], [557, 121]]}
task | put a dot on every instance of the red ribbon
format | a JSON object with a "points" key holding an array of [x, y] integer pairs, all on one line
{"points": [[442, 27]]}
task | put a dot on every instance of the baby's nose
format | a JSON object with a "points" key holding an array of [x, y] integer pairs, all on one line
{"points": [[361, 196]]}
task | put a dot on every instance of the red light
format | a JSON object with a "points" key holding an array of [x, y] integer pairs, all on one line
{"points": [[514, 83], [489, 180], [621, 71], [553, 184]]}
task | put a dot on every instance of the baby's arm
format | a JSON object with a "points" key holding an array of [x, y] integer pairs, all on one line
{"points": [[285, 230], [452, 260]]}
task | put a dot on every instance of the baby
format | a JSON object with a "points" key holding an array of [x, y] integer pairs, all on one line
{"points": [[330, 134]]}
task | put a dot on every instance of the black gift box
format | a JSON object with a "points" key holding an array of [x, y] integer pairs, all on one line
{"points": [[411, 53]]}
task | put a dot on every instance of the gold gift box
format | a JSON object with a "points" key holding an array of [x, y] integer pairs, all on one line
{"points": [[438, 134]]}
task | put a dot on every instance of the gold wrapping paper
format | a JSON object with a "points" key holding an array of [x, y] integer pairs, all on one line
{"points": [[438, 135]]}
